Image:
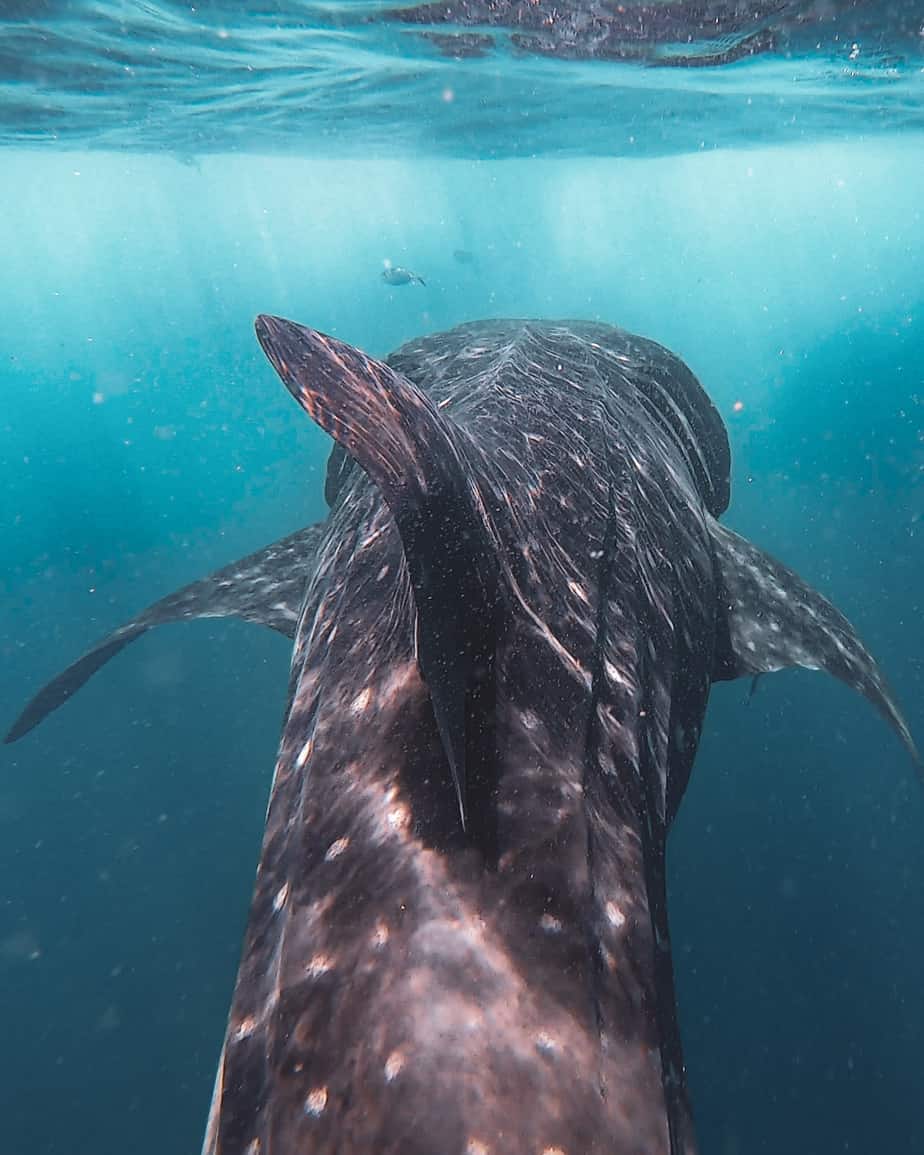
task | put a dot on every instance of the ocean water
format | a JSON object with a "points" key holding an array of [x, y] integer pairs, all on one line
{"points": [[746, 188]]}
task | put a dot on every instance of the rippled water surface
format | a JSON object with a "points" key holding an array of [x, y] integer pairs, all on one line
{"points": [[482, 78]]}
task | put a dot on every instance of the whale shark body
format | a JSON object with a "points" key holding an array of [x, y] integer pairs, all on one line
{"points": [[505, 635]]}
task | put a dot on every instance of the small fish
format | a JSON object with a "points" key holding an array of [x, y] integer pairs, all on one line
{"points": [[395, 275], [464, 256]]}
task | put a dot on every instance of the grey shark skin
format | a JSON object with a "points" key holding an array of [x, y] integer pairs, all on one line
{"points": [[507, 631]]}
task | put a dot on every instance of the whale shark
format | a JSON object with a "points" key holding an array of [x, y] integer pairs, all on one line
{"points": [[504, 637]]}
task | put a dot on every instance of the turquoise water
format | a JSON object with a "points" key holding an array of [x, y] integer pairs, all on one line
{"points": [[475, 78], [145, 440]]}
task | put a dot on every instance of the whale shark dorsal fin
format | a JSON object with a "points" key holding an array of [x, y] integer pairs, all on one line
{"points": [[773, 620], [265, 587], [420, 462]]}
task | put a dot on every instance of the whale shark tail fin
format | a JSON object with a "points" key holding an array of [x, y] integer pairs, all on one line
{"points": [[773, 620]]}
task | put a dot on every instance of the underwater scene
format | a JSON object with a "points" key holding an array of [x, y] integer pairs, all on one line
{"points": [[685, 247]]}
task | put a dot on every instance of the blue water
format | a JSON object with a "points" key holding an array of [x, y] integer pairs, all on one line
{"points": [[479, 78], [144, 441]]}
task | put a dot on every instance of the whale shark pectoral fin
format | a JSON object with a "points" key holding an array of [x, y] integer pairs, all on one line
{"points": [[773, 619], [265, 587], [56, 692], [419, 460]]}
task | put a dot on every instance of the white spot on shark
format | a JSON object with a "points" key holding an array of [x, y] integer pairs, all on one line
{"points": [[336, 848], [398, 817], [361, 702], [318, 965], [546, 1044], [614, 915], [316, 1102], [244, 1029], [394, 1065]]}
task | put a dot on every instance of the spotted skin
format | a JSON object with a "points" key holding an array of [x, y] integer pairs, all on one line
{"points": [[410, 986], [774, 619], [410, 983]]}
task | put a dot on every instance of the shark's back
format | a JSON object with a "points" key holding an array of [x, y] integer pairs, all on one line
{"points": [[505, 636], [475, 356], [496, 609]]}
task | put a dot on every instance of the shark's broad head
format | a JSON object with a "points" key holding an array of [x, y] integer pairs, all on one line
{"points": [[504, 639]]}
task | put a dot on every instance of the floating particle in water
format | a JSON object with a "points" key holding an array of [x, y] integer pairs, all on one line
{"points": [[109, 1020], [20, 946]]}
